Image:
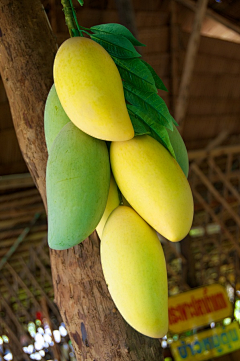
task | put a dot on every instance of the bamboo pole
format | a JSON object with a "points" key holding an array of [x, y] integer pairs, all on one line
{"points": [[211, 14], [217, 220], [192, 48], [13, 294], [23, 285], [174, 54], [127, 15], [216, 194], [20, 180], [224, 179], [203, 153]]}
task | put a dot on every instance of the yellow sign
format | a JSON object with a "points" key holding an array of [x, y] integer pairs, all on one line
{"points": [[198, 308], [208, 344]]}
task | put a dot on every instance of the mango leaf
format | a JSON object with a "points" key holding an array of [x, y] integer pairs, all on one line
{"points": [[136, 73], [158, 81], [139, 126], [116, 29], [174, 122], [142, 124], [116, 45], [150, 103]]}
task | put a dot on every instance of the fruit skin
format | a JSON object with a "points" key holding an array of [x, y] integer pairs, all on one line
{"points": [[54, 117], [154, 184], [90, 89], [113, 202], [179, 149], [135, 271], [77, 180]]}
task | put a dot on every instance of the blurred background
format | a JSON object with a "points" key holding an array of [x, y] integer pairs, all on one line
{"points": [[194, 46]]}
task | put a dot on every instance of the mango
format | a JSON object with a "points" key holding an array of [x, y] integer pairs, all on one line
{"points": [[135, 271], [90, 90], [113, 202], [77, 181], [54, 117], [179, 149], [154, 185]]}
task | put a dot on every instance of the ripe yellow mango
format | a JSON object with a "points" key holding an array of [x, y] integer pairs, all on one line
{"points": [[90, 90], [179, 149], [113, 202], [54, 117], [135, 271], [77, 181], [154, 184]]}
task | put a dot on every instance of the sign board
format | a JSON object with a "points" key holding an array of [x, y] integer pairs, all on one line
{"points": [[198, 307], [208, 344]]}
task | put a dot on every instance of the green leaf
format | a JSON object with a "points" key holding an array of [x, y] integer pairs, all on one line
{"points": [[150, 103], [81, 2], [174, 122], [116, 29], [142, 124], [158, 81], [116, 45], [136, 73], [140, 127]]}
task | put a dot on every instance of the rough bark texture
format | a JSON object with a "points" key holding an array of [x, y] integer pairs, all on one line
{"points": [[97, 330]]}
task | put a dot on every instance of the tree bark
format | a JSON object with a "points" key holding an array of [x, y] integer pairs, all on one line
{"points": [[97, 330]]}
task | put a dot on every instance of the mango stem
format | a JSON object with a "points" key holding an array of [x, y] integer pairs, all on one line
{"points": [[71, 18]]}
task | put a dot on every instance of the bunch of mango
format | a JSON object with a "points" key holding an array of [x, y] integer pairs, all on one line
{"points": [[100, 176]]}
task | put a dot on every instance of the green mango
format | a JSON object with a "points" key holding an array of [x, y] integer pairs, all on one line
{"points": [[54, 117], [77, 181], [134, 268], [179, 149]]}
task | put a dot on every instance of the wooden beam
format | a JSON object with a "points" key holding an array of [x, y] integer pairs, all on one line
{"points": [[41, 266], [37, 285], [31, 238], [188, 268], [44, 255], [19, 240], [12, 316], [15, 296], [224, 179], [215, 193], [217, 220], [203, 153], [55, 347], [19, 194], [21, 202], [174, 55], [189, 63], [211, 14], [23, 285], [16, 181], [127, 15]]}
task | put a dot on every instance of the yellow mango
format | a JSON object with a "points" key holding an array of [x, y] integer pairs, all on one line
{"points": [[154, 184], [113, 202], [135, 271], [90, 90]]}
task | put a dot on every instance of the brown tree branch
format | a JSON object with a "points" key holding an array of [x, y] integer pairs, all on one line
{"points": [[97, 330]]}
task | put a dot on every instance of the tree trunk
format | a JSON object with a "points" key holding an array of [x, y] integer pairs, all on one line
{"points": [[97, 330]]}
